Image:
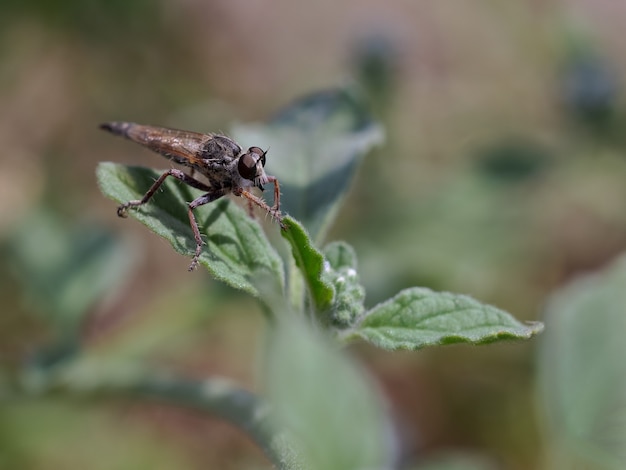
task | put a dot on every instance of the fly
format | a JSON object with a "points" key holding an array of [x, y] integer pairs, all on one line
{"points": [[218, 158]]}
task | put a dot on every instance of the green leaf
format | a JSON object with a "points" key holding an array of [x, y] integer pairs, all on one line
{"points": [[419, 317], [311, 264], [582, 383], [340, 255], [325, 401], [332, 282], [236, 251], [315, 146], [349, 293]]}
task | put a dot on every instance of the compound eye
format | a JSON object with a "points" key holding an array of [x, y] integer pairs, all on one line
{"points": [[247, 165], [259, 152]]}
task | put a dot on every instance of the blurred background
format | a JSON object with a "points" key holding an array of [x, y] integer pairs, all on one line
{"points": [[502, 177]]}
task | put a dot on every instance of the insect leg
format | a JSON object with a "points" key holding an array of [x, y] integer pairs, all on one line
{"points": [[251, 209], [274, 181], [123, 209], [272, 211], [200, 201]]}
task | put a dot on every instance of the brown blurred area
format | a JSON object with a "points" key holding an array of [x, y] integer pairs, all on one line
{"points": [[502, 176]]}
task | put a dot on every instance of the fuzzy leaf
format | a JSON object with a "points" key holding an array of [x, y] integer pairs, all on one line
{"points": [[311, 264], [340, 255], [236, 251], [315, 146], [328, 405], [419, 317], [349, 293]]}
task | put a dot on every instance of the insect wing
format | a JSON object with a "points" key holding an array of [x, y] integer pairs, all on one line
{"points": [[184, 147]]}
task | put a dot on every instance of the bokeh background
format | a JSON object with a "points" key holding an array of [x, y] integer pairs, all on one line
{"points": [[502, 176]]}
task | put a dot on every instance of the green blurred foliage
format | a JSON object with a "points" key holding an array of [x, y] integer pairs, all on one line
{"points": [[56, 434], [87, 19], [65, 271], [582, 389]]}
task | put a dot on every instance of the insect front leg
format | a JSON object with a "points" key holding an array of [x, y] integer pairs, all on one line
{"points": [[200, 201], [122, 211], [273, 211], [274, 181], [251, 209]]}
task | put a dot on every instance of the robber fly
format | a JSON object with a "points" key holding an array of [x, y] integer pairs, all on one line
{"points": [[216, 157]]}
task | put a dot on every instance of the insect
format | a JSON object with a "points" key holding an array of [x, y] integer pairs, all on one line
{"points": [[219, 159]]}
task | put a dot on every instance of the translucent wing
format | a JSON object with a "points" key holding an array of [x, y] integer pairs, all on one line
{"points": [[186, 148]]}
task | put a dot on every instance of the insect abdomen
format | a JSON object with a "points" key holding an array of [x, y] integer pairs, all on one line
{"points": [[117, 128]]}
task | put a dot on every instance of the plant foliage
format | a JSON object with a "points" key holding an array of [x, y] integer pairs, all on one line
{"points": [[320, 409]]}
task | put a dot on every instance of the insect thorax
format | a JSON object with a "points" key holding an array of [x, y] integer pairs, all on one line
{"points": [[219, 160], [219, 146]]}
